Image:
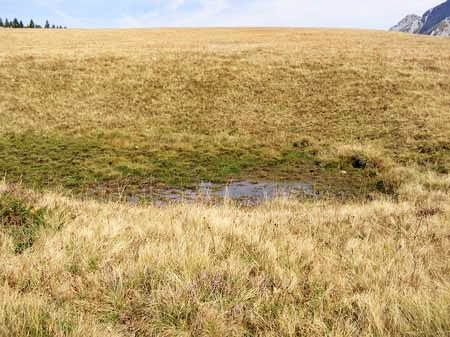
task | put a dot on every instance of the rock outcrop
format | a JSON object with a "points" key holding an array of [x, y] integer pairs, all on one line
{"points": [[410, 24], [442, 29]]}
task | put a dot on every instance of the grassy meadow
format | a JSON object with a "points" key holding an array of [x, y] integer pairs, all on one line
{"points": [[88, 115], [99, 111]]}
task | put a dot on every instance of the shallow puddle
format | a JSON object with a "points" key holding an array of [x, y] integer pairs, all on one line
{"points": [[243, 191]]}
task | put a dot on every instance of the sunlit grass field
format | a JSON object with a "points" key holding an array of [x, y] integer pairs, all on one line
{"points": [[88, 116], [98, 111], [283, 268]]}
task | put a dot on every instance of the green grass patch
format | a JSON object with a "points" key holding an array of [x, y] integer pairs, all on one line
{"points": [[104, 164], [20, 220]]}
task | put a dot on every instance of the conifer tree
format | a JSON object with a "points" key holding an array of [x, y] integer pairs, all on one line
{"points": [[15, 23]]}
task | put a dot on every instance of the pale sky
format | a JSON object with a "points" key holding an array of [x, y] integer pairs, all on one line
{"points": [[372, 14]]}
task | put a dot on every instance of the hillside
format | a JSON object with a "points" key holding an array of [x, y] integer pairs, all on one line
{"points": [[100, 111], [89, 115]]}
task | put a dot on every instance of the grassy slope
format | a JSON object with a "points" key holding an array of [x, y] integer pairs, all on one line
{"points": [[97, 110], [281, 269]]}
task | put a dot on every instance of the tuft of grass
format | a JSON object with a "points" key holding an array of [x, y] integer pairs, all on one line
{"points": [[31, 316], [20, 220], [34, 322]]}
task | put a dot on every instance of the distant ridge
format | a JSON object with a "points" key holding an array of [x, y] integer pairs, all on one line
{"points": [[435, 21]]}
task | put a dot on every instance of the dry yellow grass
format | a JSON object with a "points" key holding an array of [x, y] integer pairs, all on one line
{"points": [[284, 268], [269, 83], [265, 82]]}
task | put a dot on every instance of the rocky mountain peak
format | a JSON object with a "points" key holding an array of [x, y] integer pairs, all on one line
{"points": [[434, 22]]}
